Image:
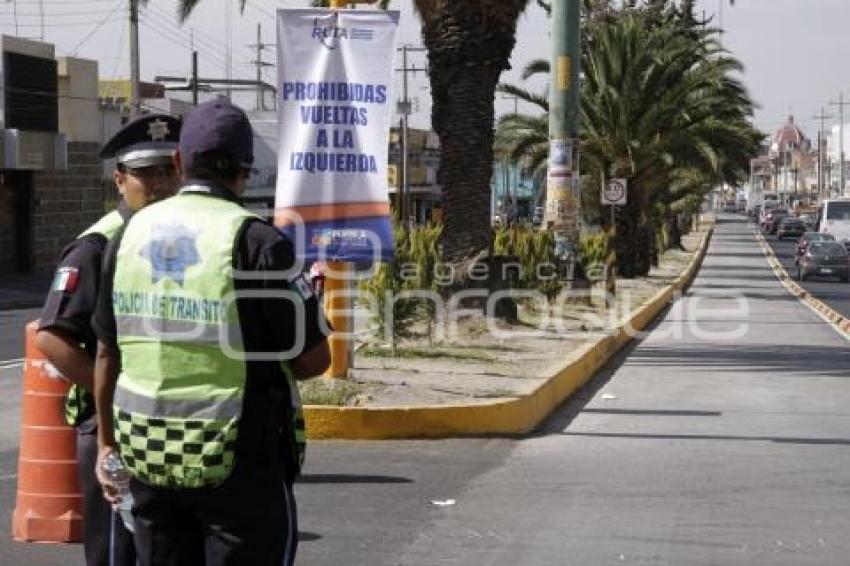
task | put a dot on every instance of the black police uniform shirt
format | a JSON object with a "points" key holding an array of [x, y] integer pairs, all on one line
{"points": [[71, 299], [267, 325]]}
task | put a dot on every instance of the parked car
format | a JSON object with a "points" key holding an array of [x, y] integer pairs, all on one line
{"points": [[824, 258], [771, 220], [790, 226], [806, 239], [810, 219]]}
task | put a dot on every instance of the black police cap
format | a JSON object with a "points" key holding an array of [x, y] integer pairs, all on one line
{"points": [[220, 131], [149, 140]]}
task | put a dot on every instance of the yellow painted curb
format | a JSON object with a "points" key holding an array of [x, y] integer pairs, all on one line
{"points": [[838, 320], [505, 417]]}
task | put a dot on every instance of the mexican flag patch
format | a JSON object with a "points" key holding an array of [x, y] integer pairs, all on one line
{"points": [[66, 279]]}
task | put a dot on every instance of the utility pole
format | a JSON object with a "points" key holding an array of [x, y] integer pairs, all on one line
{"points": [[228, 56], [194, 78], [134, 59], [720, 14], [841, 104], [41, 17], [402, 173], [513, 200], [259, 63], [563, 193], [821, 150], [404, 108]]}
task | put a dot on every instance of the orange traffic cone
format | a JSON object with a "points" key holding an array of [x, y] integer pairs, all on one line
{"points": [[49, 505]]}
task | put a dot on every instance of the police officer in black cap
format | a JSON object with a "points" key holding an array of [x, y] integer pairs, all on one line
{"points": [[144, 173], [205, 427]]}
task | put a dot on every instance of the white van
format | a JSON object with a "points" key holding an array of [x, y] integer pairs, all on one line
{"points": [[834, 218]]}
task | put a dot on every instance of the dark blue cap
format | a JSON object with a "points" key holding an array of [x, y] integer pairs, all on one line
{"points": [[149, 140], [220, 129]]}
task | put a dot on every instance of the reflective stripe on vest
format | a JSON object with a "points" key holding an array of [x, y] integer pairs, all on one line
{"points": [[79, 404], [179, 395]]}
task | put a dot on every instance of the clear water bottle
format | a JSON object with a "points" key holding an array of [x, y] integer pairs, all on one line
{"points": [[118, 474]]}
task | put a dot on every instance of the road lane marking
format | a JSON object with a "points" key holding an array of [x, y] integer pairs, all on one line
{"points": [[779, 270], [9, 364]]}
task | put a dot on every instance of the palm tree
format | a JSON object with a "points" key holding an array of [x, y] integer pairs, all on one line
{"points": [[662, 102], [469, 44], [660, 106]]}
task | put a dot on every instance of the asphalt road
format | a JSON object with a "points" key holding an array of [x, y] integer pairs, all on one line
{"points": [[829, 290], [12, 332], [718, 439]]}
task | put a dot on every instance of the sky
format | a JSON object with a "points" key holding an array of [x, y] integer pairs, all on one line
{"points": [[795, 52]]}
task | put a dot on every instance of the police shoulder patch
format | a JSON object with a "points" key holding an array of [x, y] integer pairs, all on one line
{"points": [[66, 280]]}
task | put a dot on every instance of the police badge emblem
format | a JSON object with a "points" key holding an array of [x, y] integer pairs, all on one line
{"points": [[158, 130]]}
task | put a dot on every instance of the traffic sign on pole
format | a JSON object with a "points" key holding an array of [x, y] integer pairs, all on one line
{"points": [[614, 192]]}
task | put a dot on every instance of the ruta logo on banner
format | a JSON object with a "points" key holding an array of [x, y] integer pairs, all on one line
{"points": [[331, 35]]}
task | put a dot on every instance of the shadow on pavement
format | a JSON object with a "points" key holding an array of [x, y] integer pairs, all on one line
{"points": [[782, 359], [778, 439], [351, 478], [658, 412]]}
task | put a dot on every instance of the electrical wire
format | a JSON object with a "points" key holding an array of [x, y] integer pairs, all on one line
{"points": [[120, 49], [156, 31], [88, 36], [63, 25], [207, 40], [159, 22]]}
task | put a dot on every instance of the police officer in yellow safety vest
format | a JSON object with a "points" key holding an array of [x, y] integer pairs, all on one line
{"points": [[203, 320], [144, 173]]}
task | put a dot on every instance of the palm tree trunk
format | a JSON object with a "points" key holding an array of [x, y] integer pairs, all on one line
{"points": [[626, 239], [643, 262], [673, 230], [469, 45]]}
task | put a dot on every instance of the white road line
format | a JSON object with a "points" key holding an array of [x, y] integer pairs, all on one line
{"points": [[8, 477], [11, 364], [764, 244]]}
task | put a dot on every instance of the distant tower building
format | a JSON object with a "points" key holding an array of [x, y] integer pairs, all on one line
{"points": [[790, 150]]}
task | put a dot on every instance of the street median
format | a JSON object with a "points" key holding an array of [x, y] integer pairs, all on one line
{"points": [[505, 417]]}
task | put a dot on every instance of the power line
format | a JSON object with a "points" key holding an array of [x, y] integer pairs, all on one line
{"points": [[217, 61], [120, 49], [260, 9], [62, 25], [205, 41], [212, 42], [76, 50], [62, 14], [210, 51]]}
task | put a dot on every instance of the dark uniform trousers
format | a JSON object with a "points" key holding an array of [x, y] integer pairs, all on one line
{"points": [[250, 519], [107, 542]]}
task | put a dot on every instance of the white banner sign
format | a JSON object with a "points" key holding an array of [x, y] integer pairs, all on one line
{"points": [[334, 106]]}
